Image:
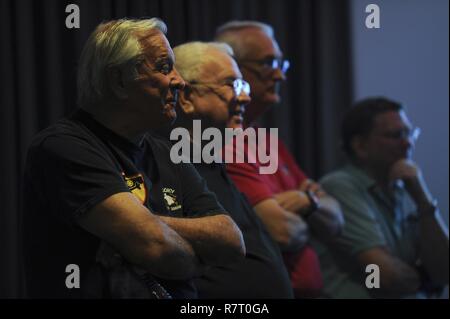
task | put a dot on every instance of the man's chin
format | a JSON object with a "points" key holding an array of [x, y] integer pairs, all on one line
{"points": [[405, 156], [169, 118], [234, 125], [171, 114]]}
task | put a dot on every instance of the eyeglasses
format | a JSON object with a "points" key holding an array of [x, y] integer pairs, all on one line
{"points": [[270, 64], [411, 134], [239, 86]]}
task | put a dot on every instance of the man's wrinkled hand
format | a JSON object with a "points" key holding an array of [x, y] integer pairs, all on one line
{"points": [[311, 186], [293, 201]]}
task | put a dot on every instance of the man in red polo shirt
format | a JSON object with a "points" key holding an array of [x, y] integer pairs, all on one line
{"points": [[290, 205]]}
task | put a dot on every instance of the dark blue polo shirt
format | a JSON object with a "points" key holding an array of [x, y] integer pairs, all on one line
{"points": [[261, 274]]}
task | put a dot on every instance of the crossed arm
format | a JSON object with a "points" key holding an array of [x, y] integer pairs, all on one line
{"points": [[216, 240], [327, 221], [165, 247], [283, 216], [288, 229]]}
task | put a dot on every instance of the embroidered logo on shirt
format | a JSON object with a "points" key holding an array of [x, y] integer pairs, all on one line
{"points": [[171, 199], [136, 186]]}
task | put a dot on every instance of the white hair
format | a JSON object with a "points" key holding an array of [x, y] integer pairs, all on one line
{"points": [[230, 33], [113, 43], [191, 57]]}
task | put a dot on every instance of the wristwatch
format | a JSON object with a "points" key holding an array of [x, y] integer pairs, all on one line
{"points": [[313, 204]]}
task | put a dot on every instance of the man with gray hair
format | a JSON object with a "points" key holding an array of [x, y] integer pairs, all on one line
{"points": [[105, 208], [216, 95], [287, 201]]}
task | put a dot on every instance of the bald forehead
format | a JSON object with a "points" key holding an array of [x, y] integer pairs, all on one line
{"points": [[257, 44], [222, 66]]}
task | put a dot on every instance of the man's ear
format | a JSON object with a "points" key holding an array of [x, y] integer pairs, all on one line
{"points": [[185, 101], [359, 146], [116, 82]]}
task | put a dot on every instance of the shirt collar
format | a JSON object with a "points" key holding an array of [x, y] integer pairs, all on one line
{"points": [[361, 176], [106, 133]]}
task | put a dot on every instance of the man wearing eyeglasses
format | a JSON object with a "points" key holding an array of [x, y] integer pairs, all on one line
{"points": [[216, 94], [290, 204], [391, 217]]}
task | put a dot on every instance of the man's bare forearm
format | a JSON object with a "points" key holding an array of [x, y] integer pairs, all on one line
{"points": [[174, 254], [396, 277], [434, 246], [141, 237], [295, 225], [288, 229], [326, 221], [216, 240]]}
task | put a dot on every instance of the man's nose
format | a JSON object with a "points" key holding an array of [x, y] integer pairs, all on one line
{"points": [[278, 75], [407, 141], [244, 98], [176, 81]]}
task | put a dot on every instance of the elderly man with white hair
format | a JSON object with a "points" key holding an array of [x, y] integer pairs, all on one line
{"points": [[97, 222], [216, 94]]}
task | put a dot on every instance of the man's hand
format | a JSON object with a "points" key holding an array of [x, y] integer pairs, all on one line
{"points": [[311, 186], [286, 228], [293, 201], [328, 220], [216, 240], [405, 170], [433, 231], [409, 172]]}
